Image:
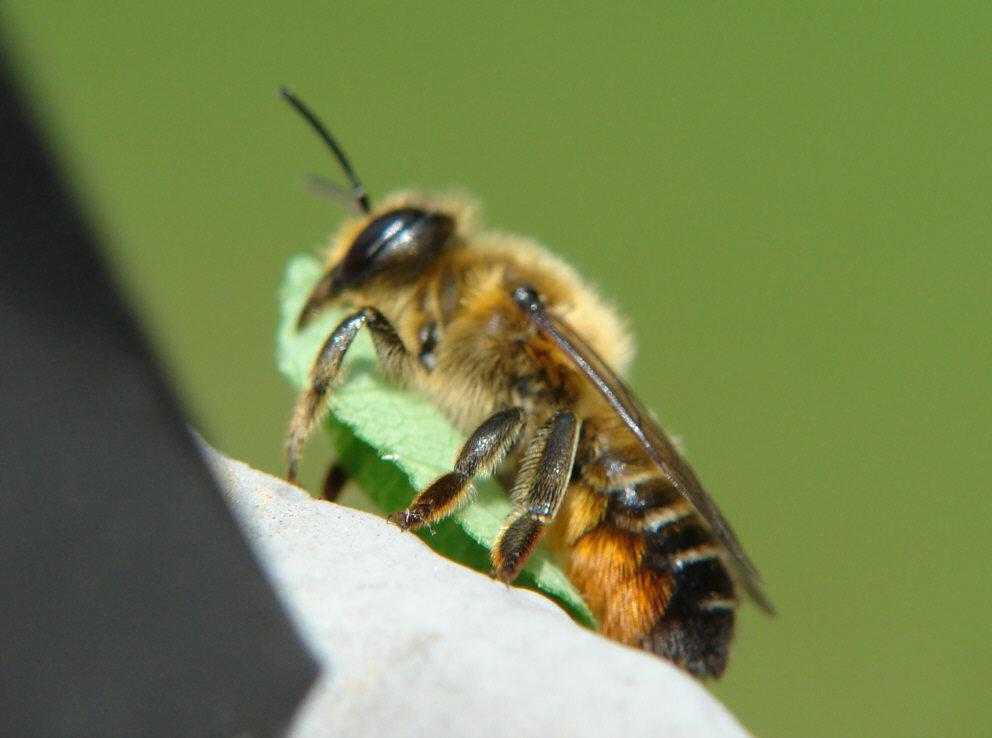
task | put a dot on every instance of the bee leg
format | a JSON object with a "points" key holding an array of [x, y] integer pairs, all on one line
{"points": [[483, 452], [311, 405], [334, 481], [537, 493]]}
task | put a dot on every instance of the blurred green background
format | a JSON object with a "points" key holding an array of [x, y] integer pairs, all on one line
{"points": [[792, 204]]}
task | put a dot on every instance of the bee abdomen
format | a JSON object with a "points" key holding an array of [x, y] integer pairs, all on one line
{"points": [[650, 571], [695, 627]]}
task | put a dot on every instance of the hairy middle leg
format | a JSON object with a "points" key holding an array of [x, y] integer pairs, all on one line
{"points": [[483, 452]]}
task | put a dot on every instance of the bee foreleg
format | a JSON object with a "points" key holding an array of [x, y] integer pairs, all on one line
{"points": [[311, 404], [537, 493], [483, 452]]}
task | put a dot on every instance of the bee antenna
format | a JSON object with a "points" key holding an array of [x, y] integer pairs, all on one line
{"points": [[357, 188]]}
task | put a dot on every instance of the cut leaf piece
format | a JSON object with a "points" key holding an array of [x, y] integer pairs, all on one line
{"points": [[394, 442]]}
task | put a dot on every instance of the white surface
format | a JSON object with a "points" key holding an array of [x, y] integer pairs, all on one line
{"points": [[414, 645]]}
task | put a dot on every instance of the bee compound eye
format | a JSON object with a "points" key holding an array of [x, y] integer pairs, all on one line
{"points": [[405, 235]]}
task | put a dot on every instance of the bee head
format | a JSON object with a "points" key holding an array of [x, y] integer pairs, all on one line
{"points": [[391, 249], [396, 244]]}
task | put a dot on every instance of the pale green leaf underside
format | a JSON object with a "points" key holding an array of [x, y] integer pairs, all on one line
{"points": [[394, 442]]}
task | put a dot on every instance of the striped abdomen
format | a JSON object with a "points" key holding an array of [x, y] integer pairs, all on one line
{"points": [[647, 565]]}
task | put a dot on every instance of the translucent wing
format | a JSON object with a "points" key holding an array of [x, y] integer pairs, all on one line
{"points": [[646, 430]]}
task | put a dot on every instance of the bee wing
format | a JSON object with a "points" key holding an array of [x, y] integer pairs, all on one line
{"points": [[647, 431]]}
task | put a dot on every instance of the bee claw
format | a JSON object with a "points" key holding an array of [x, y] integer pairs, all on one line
{"points": [[404, 520]]}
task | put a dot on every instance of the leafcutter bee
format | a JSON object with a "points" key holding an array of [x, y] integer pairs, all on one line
{"points": [[525, 359]]}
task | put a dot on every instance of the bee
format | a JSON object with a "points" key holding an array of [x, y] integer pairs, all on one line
{"points": [[525, 359]]}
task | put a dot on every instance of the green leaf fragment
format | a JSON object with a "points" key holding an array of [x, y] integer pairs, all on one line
{"points": [[393, 442]]}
